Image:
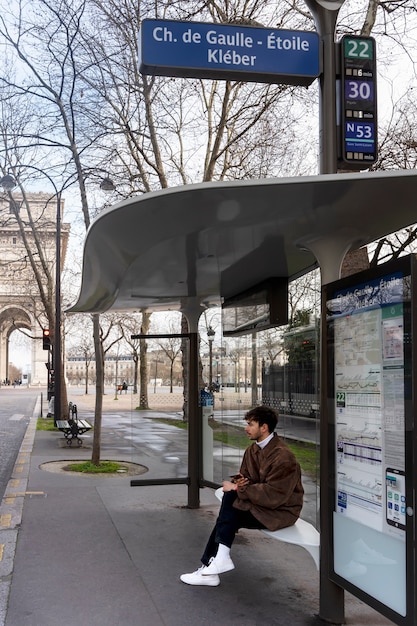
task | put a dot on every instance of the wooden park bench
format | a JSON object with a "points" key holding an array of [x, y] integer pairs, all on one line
{"points": [[72, 430], [301, 533]]}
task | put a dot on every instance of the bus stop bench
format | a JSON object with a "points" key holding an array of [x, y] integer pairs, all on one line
{"points": [[73, 429], [301, 534]]}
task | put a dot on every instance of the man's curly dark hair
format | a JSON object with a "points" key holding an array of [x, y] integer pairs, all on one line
{"points": [[263, 415]]}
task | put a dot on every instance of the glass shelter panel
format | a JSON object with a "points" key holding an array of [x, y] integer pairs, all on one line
{"points": [[263, 367]]}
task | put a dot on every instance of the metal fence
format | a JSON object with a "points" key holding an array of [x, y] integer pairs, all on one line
{"points": [[293, 389]]}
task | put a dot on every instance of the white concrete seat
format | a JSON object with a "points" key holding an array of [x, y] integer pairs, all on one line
{"points": [[301, 533]]}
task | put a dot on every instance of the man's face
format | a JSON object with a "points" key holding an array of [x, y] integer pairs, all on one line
{"points": [[256, 432]]}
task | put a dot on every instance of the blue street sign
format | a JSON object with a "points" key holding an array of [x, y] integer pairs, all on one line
{"points": [[218, 51]]}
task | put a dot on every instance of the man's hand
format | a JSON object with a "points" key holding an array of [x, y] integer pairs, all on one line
{"points": [[229, 486], [237, 481]]}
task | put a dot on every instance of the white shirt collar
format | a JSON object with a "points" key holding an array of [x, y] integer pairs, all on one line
{"points": [[265, 442]]}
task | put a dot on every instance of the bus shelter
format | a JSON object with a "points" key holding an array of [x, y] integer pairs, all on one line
{"points": [[193, 247], [190, 247]]}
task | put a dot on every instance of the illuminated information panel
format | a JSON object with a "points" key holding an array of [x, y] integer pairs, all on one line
{"points": [[369, 351], [358, 102]]}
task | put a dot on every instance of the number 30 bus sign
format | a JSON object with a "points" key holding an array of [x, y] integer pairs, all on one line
{"points": [[358, 102]]}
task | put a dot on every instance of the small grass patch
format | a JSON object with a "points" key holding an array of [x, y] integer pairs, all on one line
{"points": [[172, 422], [104, 467], [45, 423]]}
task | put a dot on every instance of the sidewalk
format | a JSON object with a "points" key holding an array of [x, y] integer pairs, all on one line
{"points": [[93, 551]]}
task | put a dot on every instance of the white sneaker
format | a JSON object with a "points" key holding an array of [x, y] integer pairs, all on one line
{"points": [[218, 565], [197, 578]]}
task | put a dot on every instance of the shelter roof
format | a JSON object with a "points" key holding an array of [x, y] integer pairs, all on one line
{"points": [[204, 242]]}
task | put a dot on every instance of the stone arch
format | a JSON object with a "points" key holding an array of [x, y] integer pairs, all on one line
{"points": [[23, 268], [13, 317]]}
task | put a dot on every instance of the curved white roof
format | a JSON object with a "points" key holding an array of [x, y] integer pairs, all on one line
{"points": [[200, 243]]}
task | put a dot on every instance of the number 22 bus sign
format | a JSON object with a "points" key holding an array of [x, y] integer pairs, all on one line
{"points": [[229, 52]]}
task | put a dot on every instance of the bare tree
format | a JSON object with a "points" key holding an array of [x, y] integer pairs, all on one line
{"points": [[171, 347], [46, 44], [84, 346], [130, 326]]}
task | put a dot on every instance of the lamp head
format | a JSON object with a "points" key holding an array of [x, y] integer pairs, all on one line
{"points": [[107, 184], [7, 182]]}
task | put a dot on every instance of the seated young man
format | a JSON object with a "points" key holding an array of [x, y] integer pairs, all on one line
{"points": [[267, 493]]}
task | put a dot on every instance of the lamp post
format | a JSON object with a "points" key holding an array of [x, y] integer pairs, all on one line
{"points": [[210, 337]]}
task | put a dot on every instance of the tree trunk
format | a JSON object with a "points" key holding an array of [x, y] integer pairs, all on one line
{"points": [[98, 348], [143, 348], [64, 397]]}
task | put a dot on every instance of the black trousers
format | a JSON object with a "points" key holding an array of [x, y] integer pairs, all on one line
{"points": [[227, 524]]}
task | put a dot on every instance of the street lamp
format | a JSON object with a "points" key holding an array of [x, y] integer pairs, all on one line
{"points": [[210, 337], [107, 184], [8, 182]]}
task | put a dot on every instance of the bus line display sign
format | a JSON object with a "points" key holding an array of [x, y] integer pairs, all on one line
{"points": [[358, 102], [229, 52]]}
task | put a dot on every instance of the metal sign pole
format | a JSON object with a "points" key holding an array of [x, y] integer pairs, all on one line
{"points": [[325, 12]]}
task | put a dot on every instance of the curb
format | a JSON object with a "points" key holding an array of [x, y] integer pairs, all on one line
{"points": [[11, 510]]}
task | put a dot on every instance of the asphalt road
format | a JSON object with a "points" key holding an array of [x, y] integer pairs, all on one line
{"points": [[16, 408]]}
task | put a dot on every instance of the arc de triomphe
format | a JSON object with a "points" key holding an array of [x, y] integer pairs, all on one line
{"points": [[27, 239]]}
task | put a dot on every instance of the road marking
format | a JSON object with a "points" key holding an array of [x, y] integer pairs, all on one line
{"points": [[1, 551], [16, 417], [5, 520]]}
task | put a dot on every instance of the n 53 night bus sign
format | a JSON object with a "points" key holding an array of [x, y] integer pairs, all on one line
{"points": [[358, 102]]}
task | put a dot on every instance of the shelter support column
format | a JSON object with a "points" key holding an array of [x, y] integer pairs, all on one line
{"points": [[192, 314], [329, 252]]}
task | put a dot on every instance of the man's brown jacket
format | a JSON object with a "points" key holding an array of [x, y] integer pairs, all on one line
{"points": [[275, 494]]}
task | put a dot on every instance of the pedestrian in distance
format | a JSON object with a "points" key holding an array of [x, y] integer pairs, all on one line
{"points": [[267, 493]]}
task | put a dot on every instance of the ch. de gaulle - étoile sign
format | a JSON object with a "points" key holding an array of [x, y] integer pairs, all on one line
{"points": [[230, 52]]}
